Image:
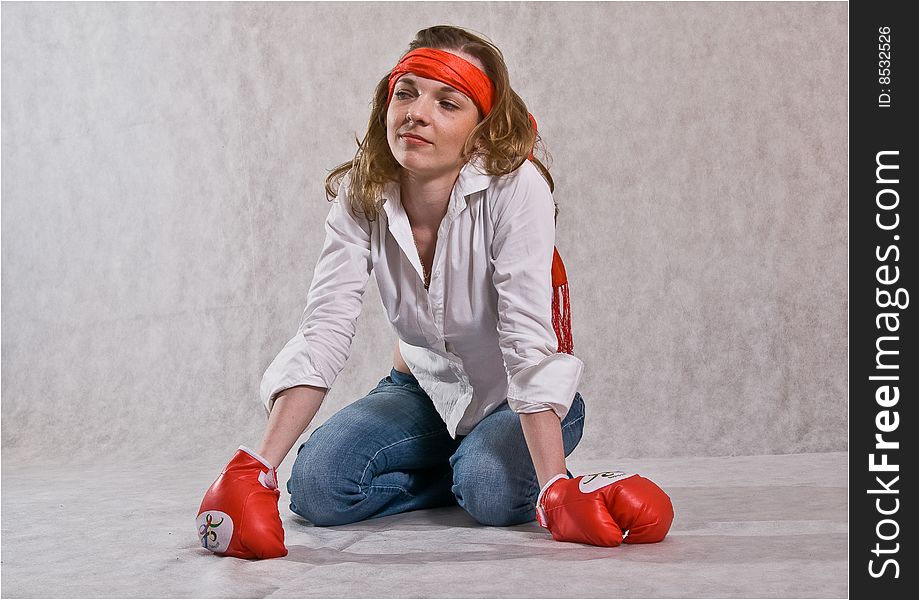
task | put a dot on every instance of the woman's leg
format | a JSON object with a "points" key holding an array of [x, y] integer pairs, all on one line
{"points": [[384, 454], [493, 475]]}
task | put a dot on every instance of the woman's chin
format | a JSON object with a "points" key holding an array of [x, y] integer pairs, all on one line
{"points": [[416, 167], [424, 167]]}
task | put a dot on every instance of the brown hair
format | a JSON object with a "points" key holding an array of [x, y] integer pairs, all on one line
{"points": [[503, 139]]}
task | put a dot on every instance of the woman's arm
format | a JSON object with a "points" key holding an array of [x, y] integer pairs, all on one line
{"points": [[318, 352], [543, 433], [542, 381], [293, 410]]}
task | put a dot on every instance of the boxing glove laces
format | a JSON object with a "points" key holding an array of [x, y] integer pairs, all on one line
{"points": [[239, 513], [604, 509]]}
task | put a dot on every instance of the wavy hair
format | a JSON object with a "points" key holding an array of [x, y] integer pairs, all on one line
{"points": [[503, 139]]}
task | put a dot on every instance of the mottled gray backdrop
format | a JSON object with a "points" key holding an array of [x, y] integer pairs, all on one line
{"points": [[162, 181]]}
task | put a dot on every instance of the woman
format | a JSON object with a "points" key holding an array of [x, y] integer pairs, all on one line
{"points": [[480, 408]]}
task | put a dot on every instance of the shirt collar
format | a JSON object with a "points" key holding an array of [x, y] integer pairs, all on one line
{"points": [[472, 177]]}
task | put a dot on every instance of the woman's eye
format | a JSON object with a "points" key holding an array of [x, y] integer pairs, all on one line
{"points": [[403, 94]]}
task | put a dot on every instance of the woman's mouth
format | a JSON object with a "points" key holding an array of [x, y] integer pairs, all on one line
{"points": [[414, 141]]}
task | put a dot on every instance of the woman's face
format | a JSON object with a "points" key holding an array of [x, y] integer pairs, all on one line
{"points": [[441, 115]]}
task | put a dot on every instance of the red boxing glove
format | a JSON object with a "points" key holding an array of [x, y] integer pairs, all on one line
{"points": [[239, 514], [604, 509]]}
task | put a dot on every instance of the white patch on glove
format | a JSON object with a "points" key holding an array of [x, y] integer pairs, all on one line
{"points": [[269, 479], [215, 530], [594, 481]]}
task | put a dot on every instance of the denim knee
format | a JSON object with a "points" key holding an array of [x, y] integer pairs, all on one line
{"points": [[488, 492], [490, 502], [316, 494]]}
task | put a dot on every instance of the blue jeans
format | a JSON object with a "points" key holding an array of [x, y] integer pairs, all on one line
{"points": [[390, 452]]}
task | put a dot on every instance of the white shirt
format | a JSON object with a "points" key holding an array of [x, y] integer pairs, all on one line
{"points": [[481, 333]]}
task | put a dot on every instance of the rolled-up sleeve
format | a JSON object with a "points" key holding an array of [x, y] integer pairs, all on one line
{"points": [[540, 378], [317, 354]]}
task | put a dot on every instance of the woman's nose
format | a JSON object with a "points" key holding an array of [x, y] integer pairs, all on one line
{"points": [[419, 110]]}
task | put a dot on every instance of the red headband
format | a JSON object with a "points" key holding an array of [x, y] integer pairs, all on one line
{"points": [[452, 70]]}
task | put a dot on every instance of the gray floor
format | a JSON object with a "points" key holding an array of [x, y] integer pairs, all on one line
{"points": [[745, 526]]}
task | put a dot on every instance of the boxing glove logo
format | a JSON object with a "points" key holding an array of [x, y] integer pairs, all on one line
{"points": [[594, 481], [215, 530]]}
